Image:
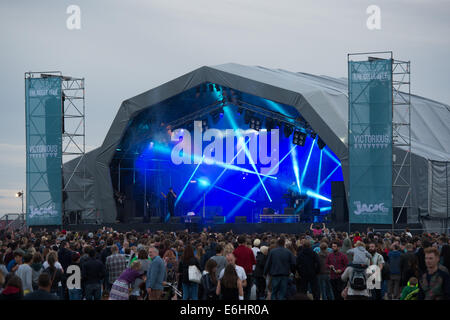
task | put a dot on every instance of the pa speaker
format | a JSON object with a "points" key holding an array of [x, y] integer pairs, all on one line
{"points": [[219, 219], [240, 219], [174, 220], [289, 211], [196, 219], [337, 189], [339, 209]]}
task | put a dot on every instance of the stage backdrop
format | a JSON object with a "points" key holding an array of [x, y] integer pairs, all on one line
{"points": [[44, 154], [370, 141]]}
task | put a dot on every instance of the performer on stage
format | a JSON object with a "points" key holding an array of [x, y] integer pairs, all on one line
{"points": [[171, 196]]}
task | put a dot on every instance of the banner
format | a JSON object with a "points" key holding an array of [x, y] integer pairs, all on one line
{"points": [[370, 141], [43, 111]]}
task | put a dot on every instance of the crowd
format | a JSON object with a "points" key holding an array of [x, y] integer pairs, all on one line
{"points": [[320, 264]]}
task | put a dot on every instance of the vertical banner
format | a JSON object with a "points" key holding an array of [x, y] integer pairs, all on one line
{"points": [[43, 111], [370, 141]]}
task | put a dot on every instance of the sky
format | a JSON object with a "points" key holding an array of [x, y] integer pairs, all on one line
{"points": [[124, 48]]}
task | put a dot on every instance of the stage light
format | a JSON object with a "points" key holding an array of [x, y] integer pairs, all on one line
{"points": [[255, 123], [299, 138], [320, 143], [19, 194], [203, 182], [217, 87], [211, 87], [287, 131], [312, 194]]}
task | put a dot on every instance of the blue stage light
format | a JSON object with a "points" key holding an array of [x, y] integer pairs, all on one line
{"points": [[305, 168], [312, 194], [187, 183]]}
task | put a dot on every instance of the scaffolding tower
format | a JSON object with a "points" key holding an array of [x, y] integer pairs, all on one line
{"points": [[401, 137], [73, 137]]}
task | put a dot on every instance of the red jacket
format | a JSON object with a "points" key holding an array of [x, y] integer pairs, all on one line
{"points": [[245, 258]]}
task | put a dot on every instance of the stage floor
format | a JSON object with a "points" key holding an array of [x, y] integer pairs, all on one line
{"points": [[248, 228]]}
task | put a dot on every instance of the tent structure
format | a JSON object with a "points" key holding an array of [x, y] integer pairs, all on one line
{"points": [[321, 100]]}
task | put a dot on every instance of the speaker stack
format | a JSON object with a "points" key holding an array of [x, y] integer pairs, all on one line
{"points": [[339, 208]]}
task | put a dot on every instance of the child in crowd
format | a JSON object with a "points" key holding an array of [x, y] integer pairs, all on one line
{"points": [[361, 257], [411, 291]]}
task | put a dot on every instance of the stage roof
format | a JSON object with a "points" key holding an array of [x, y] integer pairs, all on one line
{"points": [[321, 100]]}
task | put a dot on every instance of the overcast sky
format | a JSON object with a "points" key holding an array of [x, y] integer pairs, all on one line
{"points": [[127, 47]]}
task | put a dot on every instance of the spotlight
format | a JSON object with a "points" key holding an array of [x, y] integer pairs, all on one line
{"points": [[211, 87], [320, 143], [299, 138], [255, 123], [287, 131], [240, 110], [19, 194], [217, 87]]}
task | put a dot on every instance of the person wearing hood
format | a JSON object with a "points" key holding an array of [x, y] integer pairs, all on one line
{"points": [[308, 267], [37, 268]]}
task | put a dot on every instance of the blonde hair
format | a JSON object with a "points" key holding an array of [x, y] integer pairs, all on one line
{"points": [[359, 244], [136, 265], [228, 249]]}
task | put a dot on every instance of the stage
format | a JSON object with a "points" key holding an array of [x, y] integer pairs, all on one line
{"points": [[238, 228]]}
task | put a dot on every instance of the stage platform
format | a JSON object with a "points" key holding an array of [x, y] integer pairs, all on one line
{"points": [[248, 228]]}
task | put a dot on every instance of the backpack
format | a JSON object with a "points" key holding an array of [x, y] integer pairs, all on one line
{"points": [[358, 279]]}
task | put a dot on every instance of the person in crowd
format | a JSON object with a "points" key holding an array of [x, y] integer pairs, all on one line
{"points": [[190, 288], [13, 289], [56, 274], [25, 273], [336, 262], [65, 254], [360, 255], [75, 293], [120, 289], [346, 246], [37, 268], [246, 259], [209, 281], [115, 265], [138, 288], [326, 291], [231, 259], [14, 264], [156, 275], [43, 291], [378, 261], [411, 291], [425, 243], [434, 283], [219, 259], [93, 272], [230, 286], [394, 264], [3, 268], [260, 280], [408, 265], [308, 267], [445, 256], [280, 263], [355, 278]]}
